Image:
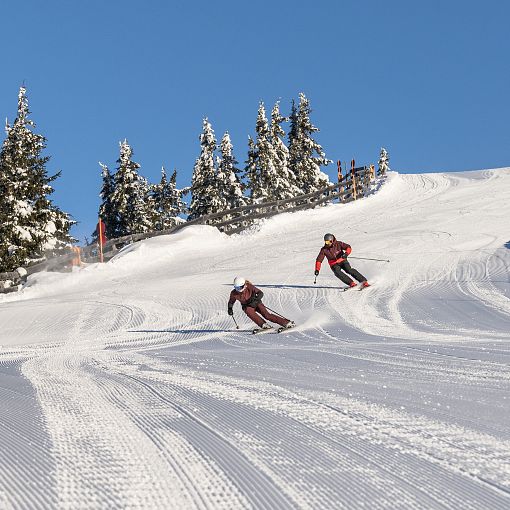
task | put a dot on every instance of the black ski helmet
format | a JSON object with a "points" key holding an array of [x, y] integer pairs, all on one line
{"points": [[329, 237]]}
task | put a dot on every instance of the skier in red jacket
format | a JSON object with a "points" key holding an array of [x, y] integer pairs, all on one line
{"points": [[337, 252], [251, 301]]}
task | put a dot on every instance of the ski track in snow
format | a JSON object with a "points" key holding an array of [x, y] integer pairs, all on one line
{"points": [[128, 386]]}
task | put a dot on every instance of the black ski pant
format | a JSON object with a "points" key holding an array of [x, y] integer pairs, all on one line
{"points": [[339, 269]]}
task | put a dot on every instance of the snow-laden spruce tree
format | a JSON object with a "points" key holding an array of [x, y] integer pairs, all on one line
{"points": [[205, 197], [107, 211], [283, 185], [383, 162], [31, 226], [305, 155], [228, 175], [250, 169], [130, 198], [168, 201], [261, 169]]}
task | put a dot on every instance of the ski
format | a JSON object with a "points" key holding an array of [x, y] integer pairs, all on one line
{"points": [[281, 329], [357, 287], [258, 331]]}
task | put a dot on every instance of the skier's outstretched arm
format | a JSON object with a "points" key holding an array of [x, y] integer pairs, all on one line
{"points": [[346, 248]]}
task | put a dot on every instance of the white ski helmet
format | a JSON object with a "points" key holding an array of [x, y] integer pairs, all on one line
{"points": [[239, 283]]}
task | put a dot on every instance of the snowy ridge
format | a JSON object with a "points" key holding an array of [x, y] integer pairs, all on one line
{"points": [[128, 385]]}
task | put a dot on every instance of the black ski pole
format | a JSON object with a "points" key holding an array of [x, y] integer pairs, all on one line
{"points": [[364, 258], [235, 322], [315, 281]]}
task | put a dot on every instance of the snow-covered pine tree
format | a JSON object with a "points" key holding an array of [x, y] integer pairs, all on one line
{"points": [[168, 201], [130, 198], [228, 176], [250, 169], [283, 184], [292, 135], [261, 172], [205, 198], [145, 194], [31, 226], [107, 211], [179, 206], [305, 155], [383, 162]]}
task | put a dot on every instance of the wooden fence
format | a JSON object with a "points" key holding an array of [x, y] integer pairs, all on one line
{"points": [[353, 185], [12, 280]]}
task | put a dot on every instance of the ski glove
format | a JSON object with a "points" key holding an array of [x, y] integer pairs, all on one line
{"points": [[316, 272], [230, 311]]}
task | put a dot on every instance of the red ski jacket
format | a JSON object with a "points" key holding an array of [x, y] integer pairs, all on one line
{"points": [[335, 253], [246, 296]]}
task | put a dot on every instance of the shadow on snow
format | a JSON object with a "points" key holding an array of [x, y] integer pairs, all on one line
{"points": [[188, 330], [287, 286]]}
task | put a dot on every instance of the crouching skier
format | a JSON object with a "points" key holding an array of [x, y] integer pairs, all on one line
{"points": [[337, 252], [251, 301]]}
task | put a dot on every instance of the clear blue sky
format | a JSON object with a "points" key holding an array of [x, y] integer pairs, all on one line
{"points": [[427, 80]]}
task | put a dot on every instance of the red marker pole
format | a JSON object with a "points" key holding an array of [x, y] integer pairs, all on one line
{"points": [[339, 173], [101, 233]]}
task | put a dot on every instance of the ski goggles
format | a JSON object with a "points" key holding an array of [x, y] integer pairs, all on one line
{"points": [[328, 242], [239, 288]]}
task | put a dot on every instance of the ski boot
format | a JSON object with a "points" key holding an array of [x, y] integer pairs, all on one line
{"points": [[351, 286], [363, 285], [289, 325], [263, 329]]}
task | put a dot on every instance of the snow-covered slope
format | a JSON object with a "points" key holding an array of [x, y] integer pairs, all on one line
{"points": [[127, 385]]}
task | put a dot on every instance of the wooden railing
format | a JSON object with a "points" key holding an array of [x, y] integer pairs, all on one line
{"points": [[11, 281], [355, 184]]}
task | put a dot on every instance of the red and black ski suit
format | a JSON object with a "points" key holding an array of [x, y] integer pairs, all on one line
{"points": [[251, 301], [337, 253]]}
